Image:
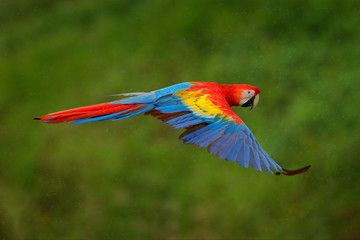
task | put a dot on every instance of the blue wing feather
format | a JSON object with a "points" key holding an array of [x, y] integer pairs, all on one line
{"points": [[183, 121], [240, 159], [223, 154], [208, 137], [216, 146], [265, 164], [201, 134], [234, 151], [255, 159], [247, 154]]}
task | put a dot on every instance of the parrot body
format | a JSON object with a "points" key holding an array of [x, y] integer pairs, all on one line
{"points": [[202, 108]]}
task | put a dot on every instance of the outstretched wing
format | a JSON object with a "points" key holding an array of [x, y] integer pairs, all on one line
{"points": [[210, 122]]}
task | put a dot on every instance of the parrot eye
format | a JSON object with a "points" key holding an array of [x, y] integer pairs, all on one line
{"points": [[249, 92]]}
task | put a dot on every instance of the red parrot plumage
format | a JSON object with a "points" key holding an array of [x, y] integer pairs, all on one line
{"points": [[202, 108]]}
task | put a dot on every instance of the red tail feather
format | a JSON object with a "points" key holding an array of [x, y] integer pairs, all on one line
{"points": [[85, 112]]}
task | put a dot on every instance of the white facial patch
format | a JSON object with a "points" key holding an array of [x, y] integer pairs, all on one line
{"points": [[246, 95]]}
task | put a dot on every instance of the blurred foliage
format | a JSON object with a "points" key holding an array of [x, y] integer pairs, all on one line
{"points": [[133, 179]]}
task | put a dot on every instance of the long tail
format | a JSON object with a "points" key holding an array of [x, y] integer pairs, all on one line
{"points": [[98, 112]]}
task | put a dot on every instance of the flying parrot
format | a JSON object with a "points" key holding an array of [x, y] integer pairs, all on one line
{"points": [[202, 108]]}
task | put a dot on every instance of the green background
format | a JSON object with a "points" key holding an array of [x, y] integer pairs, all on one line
{"points": [[133, 179]]}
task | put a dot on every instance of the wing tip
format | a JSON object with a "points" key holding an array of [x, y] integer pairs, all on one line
{"points": [[287, 172]]}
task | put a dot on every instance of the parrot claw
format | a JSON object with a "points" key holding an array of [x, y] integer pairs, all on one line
{"points": [[293, 172]]}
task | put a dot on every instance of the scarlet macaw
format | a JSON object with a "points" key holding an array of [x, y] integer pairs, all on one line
{"points": [[202, 108]]}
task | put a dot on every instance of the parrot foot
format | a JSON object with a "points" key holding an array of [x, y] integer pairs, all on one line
{"points": [[293, 172]]}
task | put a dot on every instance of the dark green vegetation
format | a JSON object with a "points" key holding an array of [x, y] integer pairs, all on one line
{"points": [[132, 179]]}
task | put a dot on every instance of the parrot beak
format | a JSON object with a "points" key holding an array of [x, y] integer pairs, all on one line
{"points": [[255, 101], [252, 102]]}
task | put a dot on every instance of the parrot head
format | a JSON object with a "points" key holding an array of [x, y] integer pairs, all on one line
{"points": [[249, 96]]}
